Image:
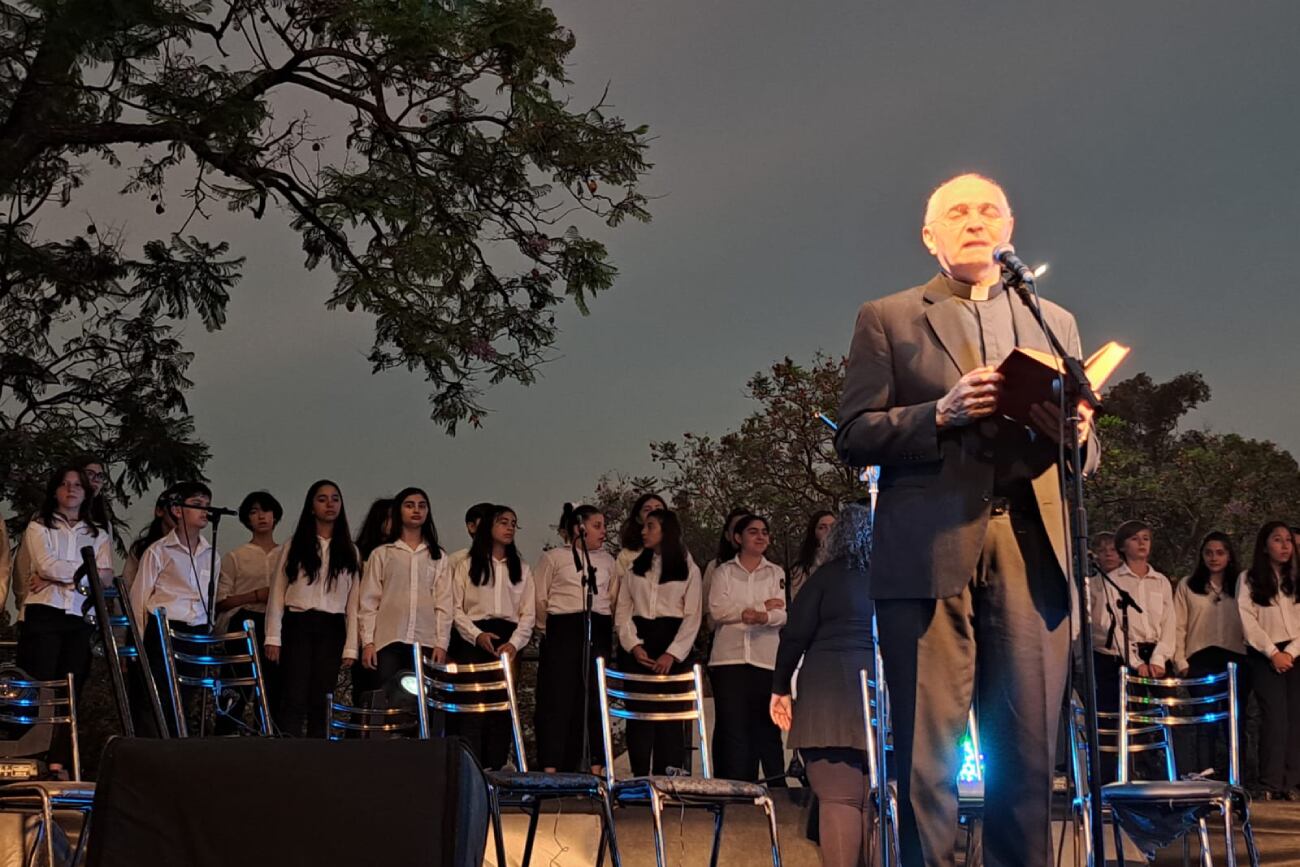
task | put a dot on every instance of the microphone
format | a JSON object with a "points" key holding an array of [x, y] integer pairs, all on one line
{"points": [[1005, 255], [211, 510]]}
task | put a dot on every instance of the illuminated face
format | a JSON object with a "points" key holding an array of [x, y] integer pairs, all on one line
{"points": [[754, 539], [1107, 557], [593, 531], [823, 528], [194, 519], [70, 494], [96, 475], [652, 533], [415, 510], [1138, 546], [504, 527], [327, 503], [1215, 556], [1281, 547], [970, 217], [261, 520]]}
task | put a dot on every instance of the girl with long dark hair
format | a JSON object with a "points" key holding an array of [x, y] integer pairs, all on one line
{"points": [[811, 550], [406, 591], [161, 524], [54, 639], [657, 615], [376, 529], [726, 551], [311, 617], [494, 606], [1268, 596], [747, 608], [629, 535], [561, 600]]}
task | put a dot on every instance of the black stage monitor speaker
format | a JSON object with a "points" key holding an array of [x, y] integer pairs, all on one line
{"points": [[252, 801]]}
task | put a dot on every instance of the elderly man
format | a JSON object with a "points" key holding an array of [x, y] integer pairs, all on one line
{"points": [[971, 547]]}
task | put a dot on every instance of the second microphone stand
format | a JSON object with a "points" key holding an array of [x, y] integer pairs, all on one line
{"points": [[587, 575]]}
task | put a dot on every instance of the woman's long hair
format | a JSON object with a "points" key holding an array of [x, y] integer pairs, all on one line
{"points": [[480, 551], [850, 538], [304, 551], [629, 535], [428, 531], [672, 551], [1261, 579], [1199, 580], [810, 547], [50, 505], [157, 527], [372, 535], [726, 548]]}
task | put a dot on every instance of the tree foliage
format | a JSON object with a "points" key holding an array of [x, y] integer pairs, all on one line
{"points": [[423, 150]]}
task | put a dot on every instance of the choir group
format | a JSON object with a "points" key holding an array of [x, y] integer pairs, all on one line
{"points": [[325, 599]]}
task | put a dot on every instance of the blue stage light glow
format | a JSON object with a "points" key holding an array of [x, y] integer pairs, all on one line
{"points": [[972, 767]]}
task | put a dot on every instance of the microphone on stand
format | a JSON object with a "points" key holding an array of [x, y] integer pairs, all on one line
{"points": [[1005, 255]]}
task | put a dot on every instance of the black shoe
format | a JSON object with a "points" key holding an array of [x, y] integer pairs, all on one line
{"points": [[1292, 795]]}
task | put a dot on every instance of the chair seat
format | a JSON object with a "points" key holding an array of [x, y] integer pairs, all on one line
{"points": [[686, 788], [1168, 790], [543, 783], [62, 793]]}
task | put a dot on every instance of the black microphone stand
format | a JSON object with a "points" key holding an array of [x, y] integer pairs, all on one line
{"points": [[587, 574], [1075, 390], [1125, 602]]}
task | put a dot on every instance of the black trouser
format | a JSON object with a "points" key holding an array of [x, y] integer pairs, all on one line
{"points": [[146, 725], [559, 691], [228, 723], [1206, 739], [310, 657], [51, 645], [654, 747], [1004, 641], [1279, 728], [488, 735], [845, 811], [743, 732]]}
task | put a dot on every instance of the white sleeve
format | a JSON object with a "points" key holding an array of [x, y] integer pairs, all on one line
{"points": [[1165, 645], [1254, 631], [692, 613], [542, 587], [460, 614], [43, 564], [350, 643], [624, 609], [527, 611], [443, 602], [275, 600], [1180, 626], [142, 587], [777, 616], [372, 594]]}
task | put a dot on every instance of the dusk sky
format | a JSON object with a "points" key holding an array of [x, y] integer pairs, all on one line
{"points": [[1149, 151]]}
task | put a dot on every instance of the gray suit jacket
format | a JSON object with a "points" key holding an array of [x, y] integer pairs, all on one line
{"points": [[908, 350]]}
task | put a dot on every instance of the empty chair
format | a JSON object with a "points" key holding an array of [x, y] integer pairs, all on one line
{"points": [[621, 696], [444, 687], [348, 722], [212, 663]]}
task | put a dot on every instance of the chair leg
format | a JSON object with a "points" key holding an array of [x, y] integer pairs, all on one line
{"points": [[533, 816], [1249, 833], [608, 836], [893, 829], [656, 817], [1203, 830], [718, 815], [1228, 839], [494, 804], [770, 809]]}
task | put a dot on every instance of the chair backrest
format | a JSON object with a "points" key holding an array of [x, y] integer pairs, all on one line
{"points": [[212, 662], [972, 769], [480, 687], [119, 637], [28, 702], [618, 688], [348, 721], [1166, 703]]}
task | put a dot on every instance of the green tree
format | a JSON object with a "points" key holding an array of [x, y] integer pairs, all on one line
{"points": [[1185, 483], [423, 150], [780, 462]]}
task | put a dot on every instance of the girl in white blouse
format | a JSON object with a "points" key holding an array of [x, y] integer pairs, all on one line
{"points": [[656, 616], [747, 608], [311, 617], [1209, 633], [1268, 595], [493, 604], [561, 600], [629, 535], [406, 592]]}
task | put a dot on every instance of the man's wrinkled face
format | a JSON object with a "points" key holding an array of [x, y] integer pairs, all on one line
{"points": [[968, 218]]}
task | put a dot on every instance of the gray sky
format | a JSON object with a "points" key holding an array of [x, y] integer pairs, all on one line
{"points": [[1149, 150]]}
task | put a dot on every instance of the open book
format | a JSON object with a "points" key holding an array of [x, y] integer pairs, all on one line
{"points": [[1030, 377]]}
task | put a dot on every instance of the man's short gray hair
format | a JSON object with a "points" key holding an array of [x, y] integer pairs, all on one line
{"points": [[850, 538], [932, 203]]}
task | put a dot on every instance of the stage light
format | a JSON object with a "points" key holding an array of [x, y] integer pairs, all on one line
{"points": [[972, 766], [1040, 270], [406, 679]]}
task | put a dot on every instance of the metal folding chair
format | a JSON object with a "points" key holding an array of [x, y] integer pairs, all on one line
{"points": [[45, 703], [874, 717], [704, 792], [1165, 704], [208, 662], [442, 686], [345, 721]]}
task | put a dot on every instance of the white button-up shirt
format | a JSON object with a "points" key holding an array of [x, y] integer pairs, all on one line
{"points": [[1205, 620], [1269, 628], [560, 586], [496, 598], [405, 597], [314, 596], [56, 556], [172, 577], [644, 596], [1158, 622], [733, 590], [246, 569]]}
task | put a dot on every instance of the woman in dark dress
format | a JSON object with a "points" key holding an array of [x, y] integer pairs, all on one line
{"points": [[829, 627]]}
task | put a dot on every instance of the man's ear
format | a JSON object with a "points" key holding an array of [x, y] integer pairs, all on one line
{"points": [[927, 238]]}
